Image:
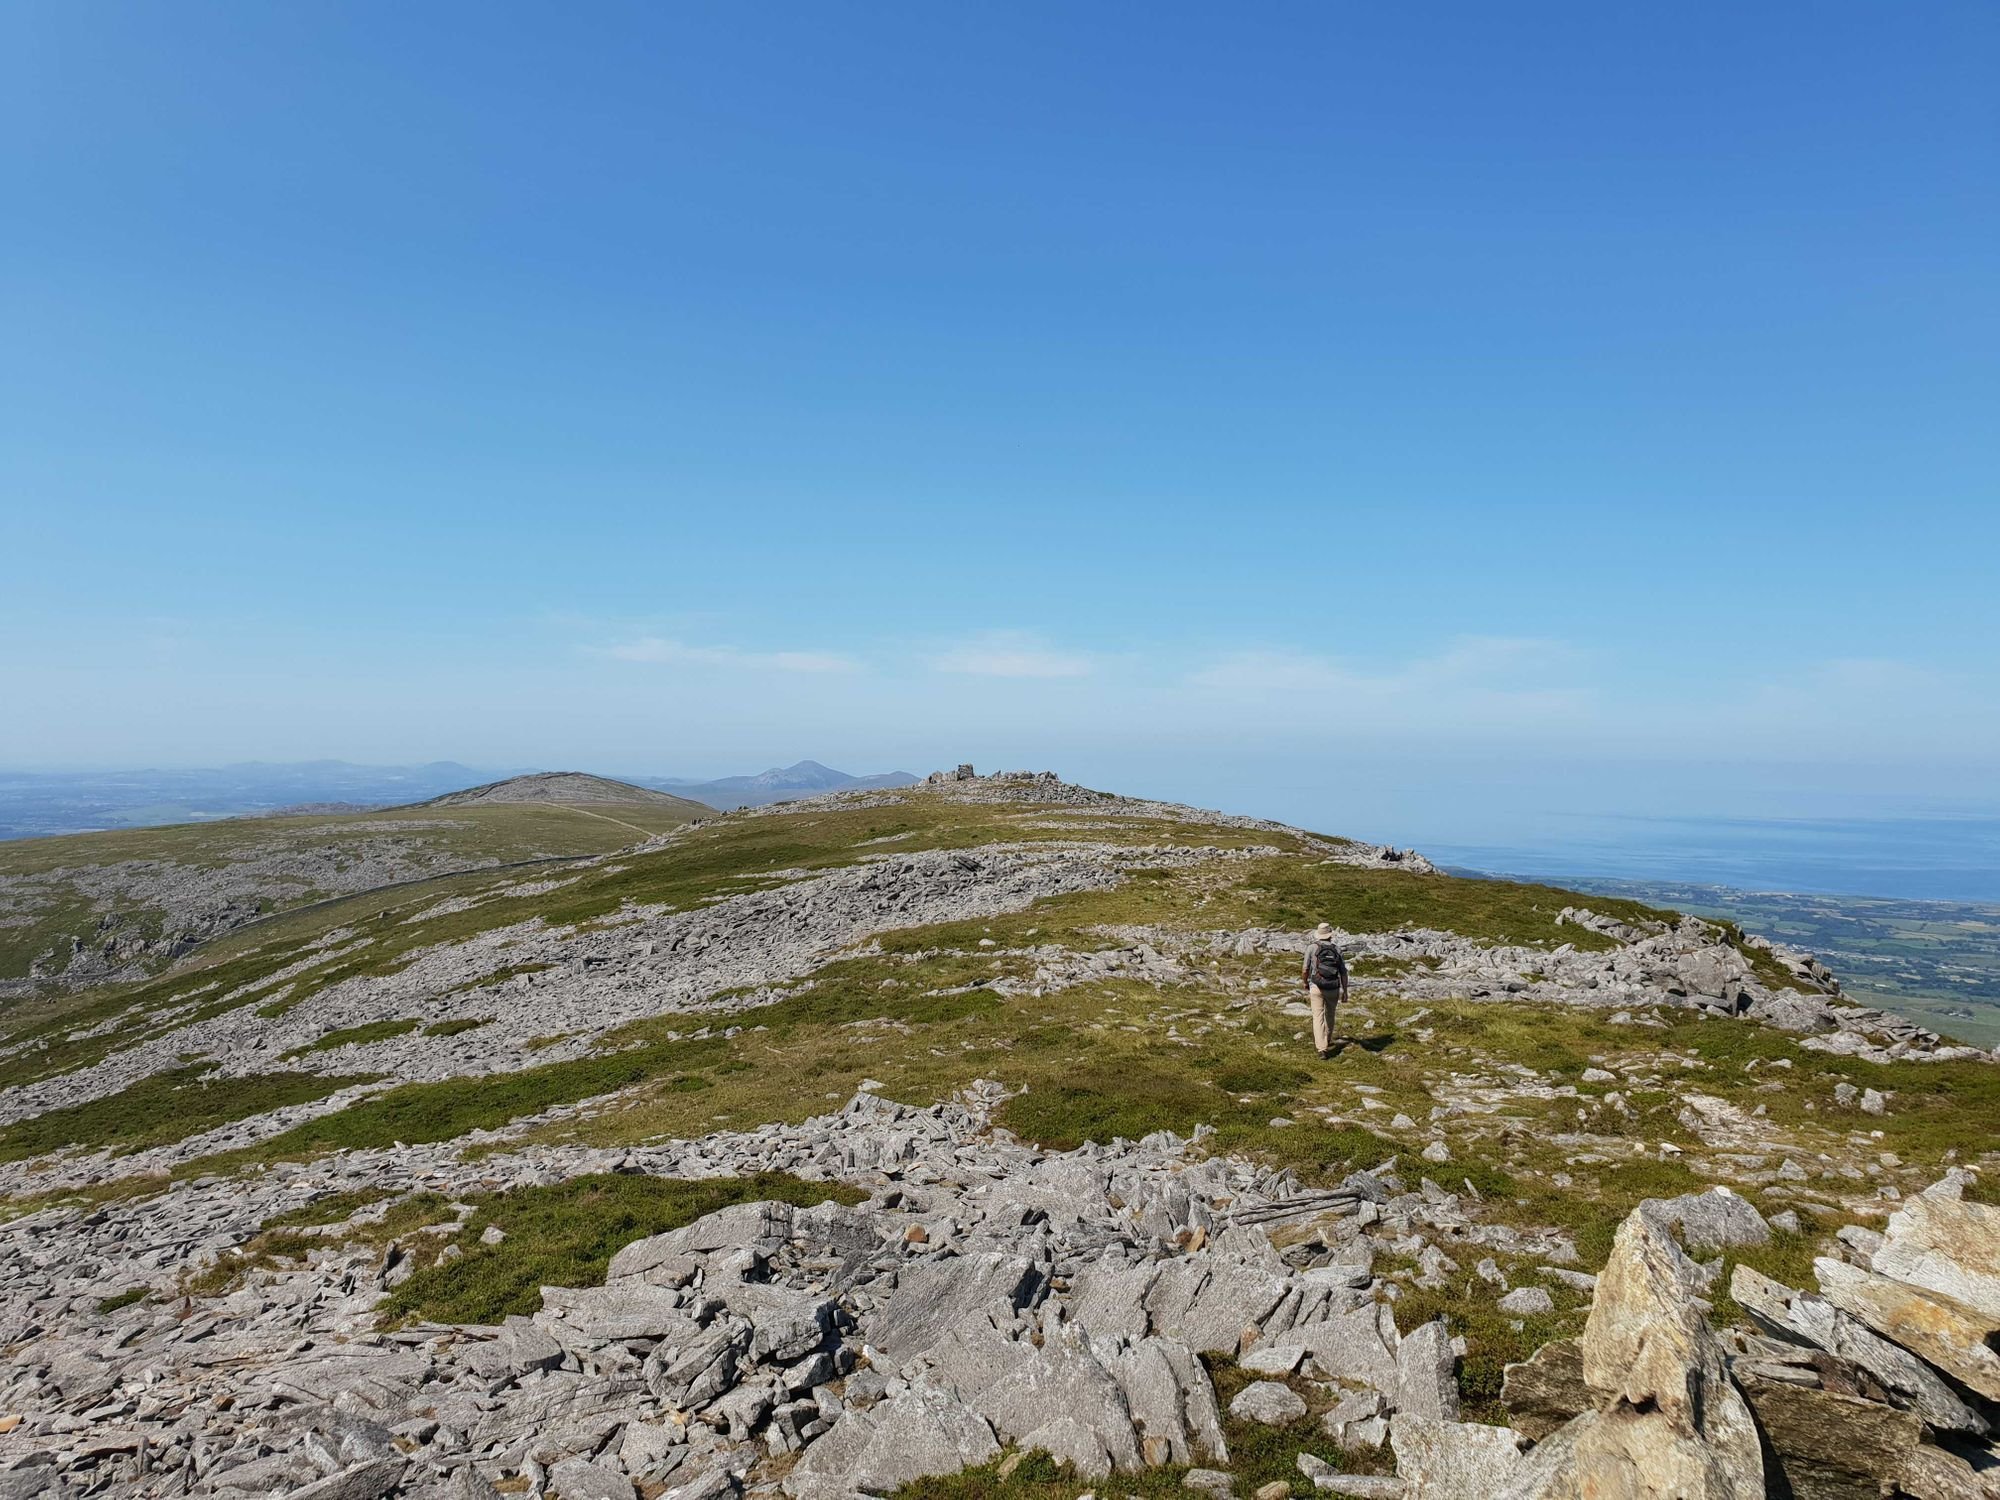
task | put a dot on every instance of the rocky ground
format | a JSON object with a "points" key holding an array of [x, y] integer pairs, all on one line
{"points": [[519, 1186]]}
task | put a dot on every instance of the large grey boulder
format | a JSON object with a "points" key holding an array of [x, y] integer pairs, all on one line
{"points": [[1063, 1382], [1110, 1300], [1227, 1313], [1171, 1400], [922, 1431], [1669, 1420], [1358, 1346], [762, 1226], [362, 1481]]}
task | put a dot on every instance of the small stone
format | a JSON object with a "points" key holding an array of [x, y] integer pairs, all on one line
{"points": [[1277, 1489], [1268, 1402], [1437, 1151], [1787, 1222], [1273, 1359], [1526, 1302], [1873, 1102], [1210, 1481], [492, 1234]]}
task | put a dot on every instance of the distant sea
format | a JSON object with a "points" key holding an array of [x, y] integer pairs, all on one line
{"points": [[1910, 859]]}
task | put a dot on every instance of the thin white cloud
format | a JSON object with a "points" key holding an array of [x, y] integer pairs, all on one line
{"points": [[662, 651], [1478, 684], [1011, 653], [1500, 663]]}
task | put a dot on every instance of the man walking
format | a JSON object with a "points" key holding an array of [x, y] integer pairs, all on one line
{"points": [[1326, 983]]}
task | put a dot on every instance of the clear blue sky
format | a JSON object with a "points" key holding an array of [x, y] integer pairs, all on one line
{"points": [[1457, 407]]}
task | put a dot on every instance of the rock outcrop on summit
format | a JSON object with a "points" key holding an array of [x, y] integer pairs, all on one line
{"points": [[971, 1129]]}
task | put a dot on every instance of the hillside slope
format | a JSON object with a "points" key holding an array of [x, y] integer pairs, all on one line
{"points": [[98, 907], [568, 789], [1049, 1045]]}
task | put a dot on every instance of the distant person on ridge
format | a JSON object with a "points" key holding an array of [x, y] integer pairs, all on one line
{"points": [[1326, 983]]}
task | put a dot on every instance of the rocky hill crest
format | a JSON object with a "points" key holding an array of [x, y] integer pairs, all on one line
{"points": [[963, 1139]]}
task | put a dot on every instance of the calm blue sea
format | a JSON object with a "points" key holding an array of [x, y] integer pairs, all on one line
{"points": [[1913, 859]]}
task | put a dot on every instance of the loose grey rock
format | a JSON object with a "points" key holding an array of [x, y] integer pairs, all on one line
{"points": [[1269, 1402]]}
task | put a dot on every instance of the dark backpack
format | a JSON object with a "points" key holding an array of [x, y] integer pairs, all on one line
{"points": [[1328, 967]]}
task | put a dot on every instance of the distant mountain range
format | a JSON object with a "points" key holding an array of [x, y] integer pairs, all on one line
{"points": [[808, 778], [38, 804]]}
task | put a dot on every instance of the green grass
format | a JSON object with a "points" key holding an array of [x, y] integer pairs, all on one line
{"points": [[126, 1298], [566, 1234], [371, 1031], [458, 1027], [164, 1108], [446, 1109]]}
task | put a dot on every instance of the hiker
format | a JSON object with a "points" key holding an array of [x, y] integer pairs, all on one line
{"points": [[1326, 983]]}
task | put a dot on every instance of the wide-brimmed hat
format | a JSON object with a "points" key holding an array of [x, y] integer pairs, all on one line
{"points": [[1323, 931]]}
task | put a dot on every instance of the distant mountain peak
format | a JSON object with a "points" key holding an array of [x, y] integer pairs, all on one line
{"points": [[803, 778]]}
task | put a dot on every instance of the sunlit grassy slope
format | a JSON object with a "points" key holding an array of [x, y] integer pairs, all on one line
{"points": [[75, 881]]}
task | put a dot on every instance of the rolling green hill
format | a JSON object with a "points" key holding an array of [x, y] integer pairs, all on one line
{"points": [[97, 907]]}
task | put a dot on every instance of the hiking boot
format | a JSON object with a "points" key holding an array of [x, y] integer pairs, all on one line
{"points": [[1326, 1054]]}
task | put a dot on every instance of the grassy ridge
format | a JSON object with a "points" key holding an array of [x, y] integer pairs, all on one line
{"points": [[458, 835]]}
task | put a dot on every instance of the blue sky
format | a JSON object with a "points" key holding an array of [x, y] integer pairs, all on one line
{"points": [[1437, 411]]}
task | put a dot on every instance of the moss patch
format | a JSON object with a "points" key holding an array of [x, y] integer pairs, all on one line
{"points": [[371, 1031], [164, 1108]]}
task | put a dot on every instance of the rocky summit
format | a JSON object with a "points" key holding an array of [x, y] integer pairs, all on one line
{"points": [[967, 1139]]}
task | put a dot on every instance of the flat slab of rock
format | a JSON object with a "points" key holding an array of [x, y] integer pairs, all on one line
{"points": [[924, 1431], [932, 1295], [1958, 1339], [1948, 1246], [1817, 1323], [1829, 1446], [1454, 1460], [628, 1309], [1426, 1373], [1715, 1220]]}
